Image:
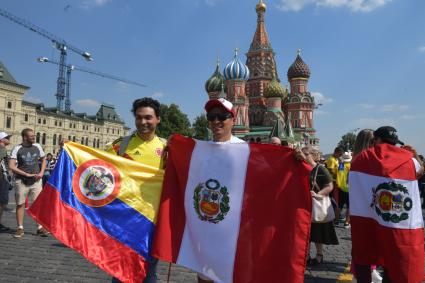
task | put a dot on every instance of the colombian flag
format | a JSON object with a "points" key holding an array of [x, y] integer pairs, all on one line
{"points": [[104, 207]]}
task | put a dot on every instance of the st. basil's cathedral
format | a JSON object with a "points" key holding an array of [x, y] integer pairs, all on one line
{"points": [[264, 107]]}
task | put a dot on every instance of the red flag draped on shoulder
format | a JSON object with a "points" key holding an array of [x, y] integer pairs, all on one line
{"points": [[386, 215], [235, 212]]}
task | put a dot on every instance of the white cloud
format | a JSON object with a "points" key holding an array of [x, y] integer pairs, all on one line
{"points": [[372, 123], [394, 108], [412, 116], [158, 94], [366, 105], [88, 102], [32, 99], [319, 98], [87, 4], [353, 5], [421, 49]]}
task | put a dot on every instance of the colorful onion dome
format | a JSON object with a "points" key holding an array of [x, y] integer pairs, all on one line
{"points": [[214, 83], [236, 70], [274, 89], [298, 69], [260, 6]]}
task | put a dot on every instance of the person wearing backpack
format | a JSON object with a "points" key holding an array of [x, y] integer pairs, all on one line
{"points": [[143, 146]]}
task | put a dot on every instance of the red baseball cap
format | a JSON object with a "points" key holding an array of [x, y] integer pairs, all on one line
{"points": [[220, 102]]}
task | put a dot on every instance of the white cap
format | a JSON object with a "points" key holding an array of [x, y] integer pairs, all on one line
{"points": [[221, 102], [4, 135]]}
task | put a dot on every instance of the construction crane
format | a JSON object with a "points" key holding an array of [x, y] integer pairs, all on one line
{"points": [[69, 68], [59, 44]]}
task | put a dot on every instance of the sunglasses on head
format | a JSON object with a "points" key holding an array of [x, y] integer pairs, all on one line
{"points": [[219, 116]]}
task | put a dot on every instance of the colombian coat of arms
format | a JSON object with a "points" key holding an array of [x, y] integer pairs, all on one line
{"points": [[211, 201], [391, 202]]}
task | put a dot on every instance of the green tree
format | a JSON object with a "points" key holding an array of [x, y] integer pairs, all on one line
{"points": [[173, 121], [200, 127], [347, 141]]}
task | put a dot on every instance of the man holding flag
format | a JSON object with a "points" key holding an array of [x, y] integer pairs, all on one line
{"points": [[386, 216]]}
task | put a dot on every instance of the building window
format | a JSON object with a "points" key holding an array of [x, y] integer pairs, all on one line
{"points": [[54, 139], [44, 121], [94, 142], [56, 123], [8, 122], [43, 139], [37, 138], [73, 138], [39, 120], [69, 138], [87, 141], [82, 140], [107, 130], [9, 105], [97, 142], [59, 139], [26, 117], [60, 124]]}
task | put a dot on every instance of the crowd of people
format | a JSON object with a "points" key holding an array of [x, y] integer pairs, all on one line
{"points": [[31, 168]]}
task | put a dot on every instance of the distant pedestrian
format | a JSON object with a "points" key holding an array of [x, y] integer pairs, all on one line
{"points": [[342, 183], [24, 162], [332, 164], [49, 168], [275, 141], [5, 178]]}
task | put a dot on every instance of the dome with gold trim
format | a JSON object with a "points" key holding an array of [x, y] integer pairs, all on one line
{"points": [[261, 6], [215, 82], [274, 89], [298, 69]]}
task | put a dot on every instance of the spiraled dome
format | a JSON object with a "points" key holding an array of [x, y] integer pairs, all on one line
{"points": [[274, 89], [236, 70], [298, 69], [216, 81]]}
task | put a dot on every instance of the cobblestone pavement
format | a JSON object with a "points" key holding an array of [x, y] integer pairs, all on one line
{"points": [[36, 259]]}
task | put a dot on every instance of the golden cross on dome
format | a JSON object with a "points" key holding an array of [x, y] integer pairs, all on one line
{"points": [[299, 52], [236, 51]]}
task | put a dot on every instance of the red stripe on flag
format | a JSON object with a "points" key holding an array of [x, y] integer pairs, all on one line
{"points": [[72, 229], [169, 234], [400, 251], [275, 221], [386, 160]]}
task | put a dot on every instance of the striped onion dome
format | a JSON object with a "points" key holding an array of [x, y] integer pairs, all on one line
{"points": [[298, 69], [236, 70], [214, 83], [274, 89]]}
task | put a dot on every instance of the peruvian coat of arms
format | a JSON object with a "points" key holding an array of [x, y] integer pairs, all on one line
{"points": [[211, 201], [391, 202]]}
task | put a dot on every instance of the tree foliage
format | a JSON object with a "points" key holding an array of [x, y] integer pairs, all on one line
{"points": [[347, 141], [200, 127], [173, 121]]}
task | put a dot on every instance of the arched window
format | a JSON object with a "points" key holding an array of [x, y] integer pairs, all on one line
{"points": [[43, 139], [9, 105], [82, 140], [94, 142], [59, 139], [54, 139], [73, 138], [37, 138], [44, 121], [26, 117], [97, 143], [87, 141]]}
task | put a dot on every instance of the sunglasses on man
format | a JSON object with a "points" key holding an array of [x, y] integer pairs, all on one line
{"points": [[219, 116]]}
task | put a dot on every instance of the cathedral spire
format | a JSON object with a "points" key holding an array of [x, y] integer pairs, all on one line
{"points": [[261, 39]]}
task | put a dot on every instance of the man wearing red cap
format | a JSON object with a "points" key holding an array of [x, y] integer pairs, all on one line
{"points": [[221, 118]]}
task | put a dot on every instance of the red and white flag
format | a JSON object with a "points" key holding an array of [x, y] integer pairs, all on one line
{"points": [[235, 212], [386, 215]]}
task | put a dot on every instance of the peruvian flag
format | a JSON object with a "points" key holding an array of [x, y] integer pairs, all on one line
{"points": [[235, 212], [386, 216]]}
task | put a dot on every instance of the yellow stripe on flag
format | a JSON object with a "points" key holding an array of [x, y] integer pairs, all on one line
{"points": [[141, 185], [345, 276]]}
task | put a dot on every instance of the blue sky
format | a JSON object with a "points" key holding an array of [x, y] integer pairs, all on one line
{"points": [[367, 57]]}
